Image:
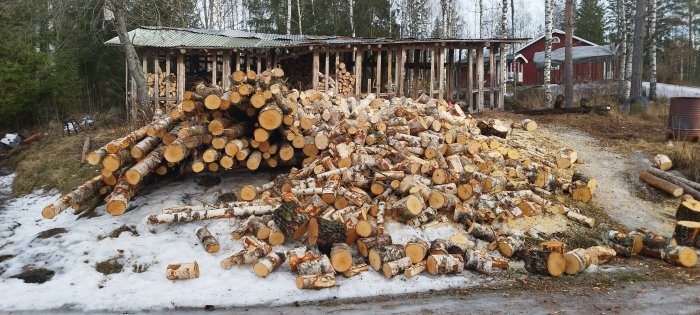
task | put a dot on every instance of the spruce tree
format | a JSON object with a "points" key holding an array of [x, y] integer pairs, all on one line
{"points": [[588, 21]]}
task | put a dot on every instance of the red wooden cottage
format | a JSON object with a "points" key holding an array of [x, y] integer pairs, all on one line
{"points": [[528, 73]]}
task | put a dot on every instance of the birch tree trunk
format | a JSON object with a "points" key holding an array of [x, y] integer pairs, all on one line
{"points": [[638, 48], [569, 56], [289, 17], [652, 49], [481, 18], [628, 58], [622, 48], [352, 16], [299, 15], [132, 58], [504, 34], [547, 53]]}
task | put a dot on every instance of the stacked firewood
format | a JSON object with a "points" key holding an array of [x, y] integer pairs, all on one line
{"points": [[157, 84], [346, 80]]}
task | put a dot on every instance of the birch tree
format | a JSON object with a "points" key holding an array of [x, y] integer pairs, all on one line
{"points": [[132, 58], [352, 17], [638, 48], [622, 47], [289, 17], [569, 55], [629, 18], [652, 49], [504, 34], [481, 18], [547, 52]]}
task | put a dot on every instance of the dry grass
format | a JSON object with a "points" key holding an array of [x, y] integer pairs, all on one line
{"points": [[54, 161]]}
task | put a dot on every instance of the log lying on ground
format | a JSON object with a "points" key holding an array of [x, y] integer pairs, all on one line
{"points": [[444, 264], [624, 244], [661, 184], [80, 195], [211, 245], [380, 255], [267, 264], [364, 245], [663, 162], [341, 257], [686, 233], [318, 266], [208, 214], [392, 268], [525, 124], [545, 262], [182, 271], [689, 187], [315, 281], [688, 211], [580, 259]]}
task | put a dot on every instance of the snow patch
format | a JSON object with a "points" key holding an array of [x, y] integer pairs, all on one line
{"points": [[74, 255]]}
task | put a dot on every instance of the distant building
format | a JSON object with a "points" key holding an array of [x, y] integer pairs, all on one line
{"points": [[589, 64]]}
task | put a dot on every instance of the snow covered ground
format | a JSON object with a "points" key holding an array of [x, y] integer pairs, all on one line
{"points": [[74, 255], [670, 90]]}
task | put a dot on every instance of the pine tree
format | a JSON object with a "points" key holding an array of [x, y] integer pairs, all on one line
{"points": [[638, 57], [588, 21], [569, 62], [652, 49]]}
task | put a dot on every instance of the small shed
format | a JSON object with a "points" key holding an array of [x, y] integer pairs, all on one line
{"points": [[177, 58]]}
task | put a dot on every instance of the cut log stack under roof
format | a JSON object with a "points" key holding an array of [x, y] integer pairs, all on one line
{"points": [[358, 164]]}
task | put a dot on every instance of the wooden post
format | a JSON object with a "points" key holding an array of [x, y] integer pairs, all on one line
{"points": [[358, 73], [337, 62], [226, 69], [469, 90], [389, 73], [441, 73], [167, 77], [258, 63], [493, 72], [213, 68], [432, 72], [268, 61], [237, 60], [450, 72], [401, 76], [480, 78], [247, 60], [156, 78], [327, 71], [502, 90], [180, 74], [126, 91], [379, 72], [416, 60], [315, 68]]}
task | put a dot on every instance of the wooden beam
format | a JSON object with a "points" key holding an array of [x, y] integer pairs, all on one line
{"points": [[432, 72], [401, 74], [156, 79], [327, 72], [441, 73], [480, 78], [226, 69], [268, 61], [167, 77], [492, 75], [247, 60], [358, 73], [416, 59], [258, 63], [180, 74], [337, 62], [237, 60], [389, 73], [450, 72], [378, 72], [504, 77], [213, 68], [469, 88], [315, 69]]}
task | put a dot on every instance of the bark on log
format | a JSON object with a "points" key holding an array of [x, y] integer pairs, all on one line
{"points": [[444, 264], [182, 271], [364, 245], [663, 162], [268, 264], [686, 233], [219, 213], [318, 266], [145, 167], [416, 250], [211, 245], [688, 211], [381, 254], [330, 232], [292, 223], [688, 186], [315, 281], [80, 195], [661, 184], [625, 245], [245, 257], [544, 262], [415, 270], [478, 261], [392, 268]]}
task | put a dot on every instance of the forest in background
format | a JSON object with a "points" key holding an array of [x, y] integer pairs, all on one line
{"points": [[53, 63]]}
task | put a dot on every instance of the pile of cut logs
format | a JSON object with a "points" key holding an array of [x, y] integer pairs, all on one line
{"points": [[360, 164]]}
